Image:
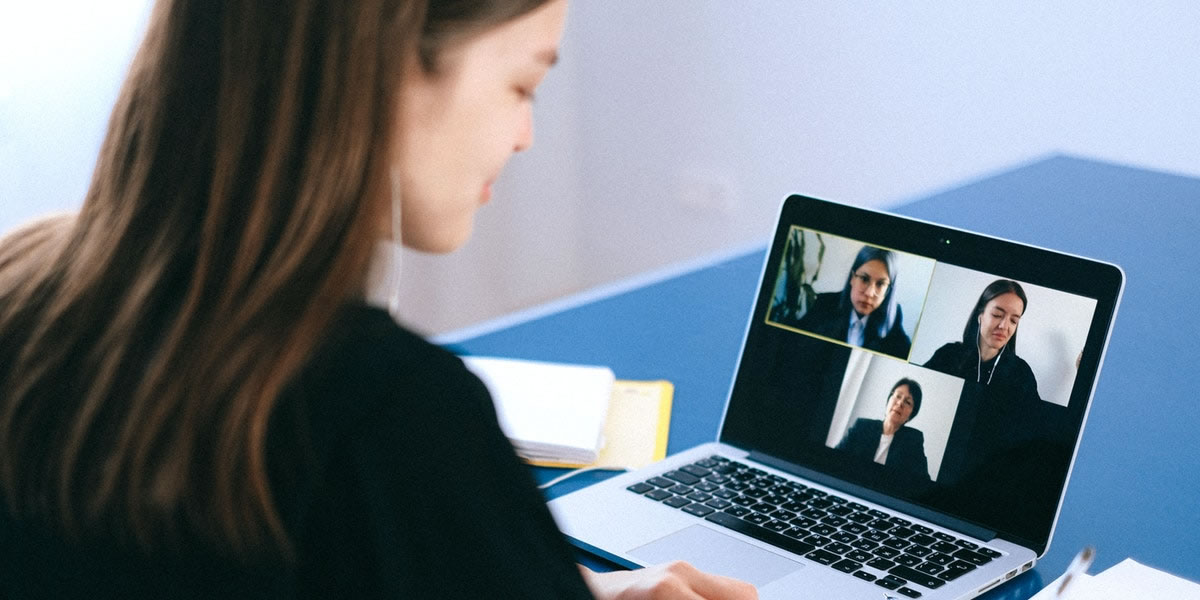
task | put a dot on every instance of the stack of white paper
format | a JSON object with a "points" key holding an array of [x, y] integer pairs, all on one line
{"points": [[1127, 580], [550, 412]]}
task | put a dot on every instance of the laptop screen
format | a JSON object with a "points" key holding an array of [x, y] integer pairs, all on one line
{"points": [[940, 368]]}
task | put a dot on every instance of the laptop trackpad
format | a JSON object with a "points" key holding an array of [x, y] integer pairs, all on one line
{"points": [[714, 552]]}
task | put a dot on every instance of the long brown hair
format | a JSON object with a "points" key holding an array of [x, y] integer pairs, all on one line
{"points": [[232, 212]]}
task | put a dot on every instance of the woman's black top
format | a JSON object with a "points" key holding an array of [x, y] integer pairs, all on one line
{"points": [[392, 476]]}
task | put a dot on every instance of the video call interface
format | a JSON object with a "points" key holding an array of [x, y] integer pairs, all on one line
{"points": [[946, 386]]}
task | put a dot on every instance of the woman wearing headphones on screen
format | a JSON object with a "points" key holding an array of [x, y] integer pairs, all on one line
{"points": [[987, 356], [196, 399]]}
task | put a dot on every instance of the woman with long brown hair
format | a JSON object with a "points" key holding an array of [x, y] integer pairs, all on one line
{"points": [[197, 399]]}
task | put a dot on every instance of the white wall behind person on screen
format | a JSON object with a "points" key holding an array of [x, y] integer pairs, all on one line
{"points": [[672, 129]]}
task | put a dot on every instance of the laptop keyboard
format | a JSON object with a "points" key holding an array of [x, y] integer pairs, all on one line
{"points": [[884, 549]]}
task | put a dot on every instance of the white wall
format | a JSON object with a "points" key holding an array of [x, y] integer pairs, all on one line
{"points": [[673, 128]]}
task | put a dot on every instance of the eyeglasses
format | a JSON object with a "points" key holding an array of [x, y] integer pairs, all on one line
{"points": [[864, 280]]}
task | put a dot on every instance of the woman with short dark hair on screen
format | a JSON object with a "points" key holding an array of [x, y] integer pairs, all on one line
{"points": [[891, 441], [198, 396], [865, 313], [987, 354]]}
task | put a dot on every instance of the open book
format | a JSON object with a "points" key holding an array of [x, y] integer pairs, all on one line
{"points": [[565, 415]]}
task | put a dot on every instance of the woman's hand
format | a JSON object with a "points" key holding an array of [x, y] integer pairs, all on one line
{"points": [[670, 581]]}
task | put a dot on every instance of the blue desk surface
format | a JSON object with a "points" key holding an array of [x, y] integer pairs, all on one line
{"points": [[1135, 489]]}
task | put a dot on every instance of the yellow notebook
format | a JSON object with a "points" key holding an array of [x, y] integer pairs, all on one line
{"points": [[635, 432]]}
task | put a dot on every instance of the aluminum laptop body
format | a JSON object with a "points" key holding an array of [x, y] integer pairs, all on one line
{"points": [[820, 484]]}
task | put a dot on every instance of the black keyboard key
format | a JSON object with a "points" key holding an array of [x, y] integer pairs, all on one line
{"points": [[862, 544], [834, 521], [846, 565], [876, 536], [745, 501], [821, 503], [917, 577], [967, 545], [699, 510], [707, 487], [763, 507], [837, 499], [929, 568], [775, 539], [718, 503], [823, 556], [882, 564], [757, 518], [922, 529], [928, 540], [677, 502], [660, 482], [885, 552], [823, 529], [909, 592], [909, 560], [888, 584], [707, 463], [945, 537], [696, 470], [814, 513], [797, 532], [918, 550], [640, 488], [944, 547], [815, 540], [880, 525], [681, 490], [737, 486], [716, 478], [837, 547], [817, 493], [902, 532], [858, 556], [699, 497], [865, 576], [955, 570], [738, 511], [778, 526], [938, 558], [681, 477], [804, 522], [841, 511], [878, 514], [895, 542], [846, 538], [857, 506], [855, 528], [726, 494], [974, 558], [659, 494], [783, 515], [860, 518]]}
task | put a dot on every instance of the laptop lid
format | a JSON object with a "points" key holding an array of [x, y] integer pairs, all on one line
{"points": [[882, 357]]}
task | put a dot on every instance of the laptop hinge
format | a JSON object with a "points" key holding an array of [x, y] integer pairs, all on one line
{"points": [[951, 523]]}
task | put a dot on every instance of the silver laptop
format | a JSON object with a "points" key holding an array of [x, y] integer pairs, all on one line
{"points": [[885, 434]]}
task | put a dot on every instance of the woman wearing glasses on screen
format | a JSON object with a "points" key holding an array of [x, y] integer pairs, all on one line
{"points": [[987, 354], [865, 313], [197, 398]]}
